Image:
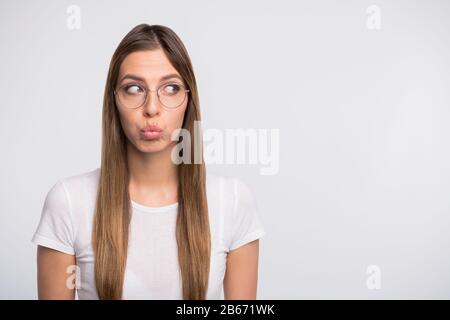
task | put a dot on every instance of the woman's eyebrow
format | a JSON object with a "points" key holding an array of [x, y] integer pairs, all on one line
{"points": [[137, 78]]}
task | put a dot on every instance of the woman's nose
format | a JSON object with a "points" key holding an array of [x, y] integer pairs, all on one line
{"points": [[152, 105]]}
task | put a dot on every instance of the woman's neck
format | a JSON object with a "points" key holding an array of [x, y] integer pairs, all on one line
{"points": [[153, 177]]}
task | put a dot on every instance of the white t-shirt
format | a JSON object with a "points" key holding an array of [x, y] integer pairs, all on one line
{"points": [[152, 270]]}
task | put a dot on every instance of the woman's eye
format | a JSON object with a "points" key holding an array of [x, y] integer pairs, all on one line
{"points": [[133, 89], [171, 89]]}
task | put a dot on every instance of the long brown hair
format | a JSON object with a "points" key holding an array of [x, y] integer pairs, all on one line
{"points": [[113, 207]]}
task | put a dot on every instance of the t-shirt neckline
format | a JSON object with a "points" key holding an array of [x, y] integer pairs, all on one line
{"points": [[141, 207]]}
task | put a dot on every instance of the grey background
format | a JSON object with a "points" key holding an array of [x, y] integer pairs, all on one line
{"points": [[363, 118]]}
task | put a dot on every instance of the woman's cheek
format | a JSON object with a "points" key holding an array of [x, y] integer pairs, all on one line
{"points": [[180, 117], [127, 127]]}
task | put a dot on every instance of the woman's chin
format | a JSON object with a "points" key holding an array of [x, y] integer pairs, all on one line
{"points": [[155, 145]]}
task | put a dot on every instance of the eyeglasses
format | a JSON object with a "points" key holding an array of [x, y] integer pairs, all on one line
{"points": [[133, 96]]}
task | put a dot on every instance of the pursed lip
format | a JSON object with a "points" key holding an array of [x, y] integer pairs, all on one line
{"points": [[151, 127]]}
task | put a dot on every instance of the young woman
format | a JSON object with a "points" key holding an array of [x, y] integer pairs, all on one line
{"points": [[143, 226]]}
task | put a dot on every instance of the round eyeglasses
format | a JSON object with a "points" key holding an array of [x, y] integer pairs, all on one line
{"points": [[133, 95]]}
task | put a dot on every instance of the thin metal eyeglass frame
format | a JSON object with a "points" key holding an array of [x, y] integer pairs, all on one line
{"points": [[147, 90]]}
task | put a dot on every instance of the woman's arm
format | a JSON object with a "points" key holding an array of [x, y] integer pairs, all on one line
{"points": [[241, 274], [52, 267]]}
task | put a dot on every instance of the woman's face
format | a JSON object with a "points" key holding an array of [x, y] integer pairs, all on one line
{"points": [[151, 70]]}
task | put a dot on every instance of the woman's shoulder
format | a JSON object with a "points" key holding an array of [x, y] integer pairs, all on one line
{"points": [[82, 179], [81, 184], [234, 200], [81, 189], [69, 204], [228, 191], [224, 183]]}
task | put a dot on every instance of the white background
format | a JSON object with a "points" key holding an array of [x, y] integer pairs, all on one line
{"points": [[364, 122]]}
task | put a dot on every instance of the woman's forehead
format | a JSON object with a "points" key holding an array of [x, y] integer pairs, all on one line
{"points": [[150, 66]]}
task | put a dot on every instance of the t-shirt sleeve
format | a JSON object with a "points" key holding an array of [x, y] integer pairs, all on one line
{"points": [[55, 228], [246, 224]]}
